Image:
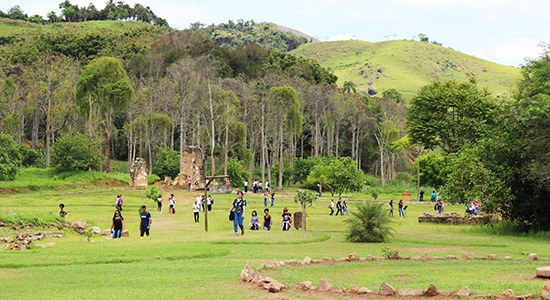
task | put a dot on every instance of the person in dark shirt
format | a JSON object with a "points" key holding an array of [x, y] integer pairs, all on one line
{"points": [[339, 207], [267, 220], [62, 211], [146, 221], [118, 225], [287, 220], [391, 208], [421, 195], [238, 208]]}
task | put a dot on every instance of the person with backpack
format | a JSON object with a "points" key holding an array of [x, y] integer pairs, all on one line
{"points": [[238, 210], [339, 207]]}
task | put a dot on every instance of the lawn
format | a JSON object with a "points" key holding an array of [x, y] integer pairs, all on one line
{"points": [[181, 260]]}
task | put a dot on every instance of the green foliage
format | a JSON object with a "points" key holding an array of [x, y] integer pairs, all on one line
{"points": [[76, 152], [236, 171], [43, 219], [431, 170], [10, 158], [340, 175], [305, 196], [31, 157], [405, 177], [152, 192], [388, 253], [374, 193], [167, 163], [393, 95], [303, 166], [369, 224]]}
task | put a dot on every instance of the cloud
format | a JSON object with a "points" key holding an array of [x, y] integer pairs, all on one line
{"points": [[341, 37], [515, 50]]}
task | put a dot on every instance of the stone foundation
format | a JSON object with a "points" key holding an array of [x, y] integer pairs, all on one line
{"points": [[454, 218]]}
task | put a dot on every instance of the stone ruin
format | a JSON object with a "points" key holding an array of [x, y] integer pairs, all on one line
{"points": [[192, 166], [454, 218], [139, 173]]}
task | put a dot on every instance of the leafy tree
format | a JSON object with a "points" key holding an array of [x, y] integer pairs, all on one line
{"points": [[370, 224], [76, 152], [104, 86], [31, 157], [393, 94], [10, 158], [303, 166], [152, 193], [167, 163], [432, 170], [236, 171], [339, 174]]}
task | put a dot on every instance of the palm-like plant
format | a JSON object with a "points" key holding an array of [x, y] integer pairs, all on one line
{"points": [[370, 224]]}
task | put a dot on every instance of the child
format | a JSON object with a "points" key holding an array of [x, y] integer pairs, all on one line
{"points": [[159, 204], [267, 220], [272, 199], [62, 211], [172, 203], [196, 209], [254, 224], [287, 220]]}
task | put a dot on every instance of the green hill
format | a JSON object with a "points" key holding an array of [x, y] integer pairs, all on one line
{"points": [[405, 65]]}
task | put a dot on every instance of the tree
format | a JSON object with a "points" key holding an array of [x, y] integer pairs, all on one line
{"points": [[167, 163], [370, 224], [393, 94], [105, 85], [339, 174], [305, 197], [349, 86], [76, 152], [10, 158], [432, 166]]}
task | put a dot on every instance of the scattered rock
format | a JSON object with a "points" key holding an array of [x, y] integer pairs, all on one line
{"points": [[431, 291], [416, 258], [274, 287], [324, 285], [306, 261], [484, 296], [543, 272], [261, 267], [343, 259], [354, 289], [306, 286], [79, 225], [508, 294], [532, 256], [464, 292], [340, 290], [96, 230], [353, 257], [452, 257], [328, 259], [386, 289], [492, 257], [364, 291], [106, 232], [8, 239], [370, 257], [409, 293], [520, 297], [545, 292], [520, 259]]}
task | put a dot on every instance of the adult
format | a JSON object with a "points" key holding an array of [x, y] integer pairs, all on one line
{"points": [[339, 207], [265, 198], [245, 183], [209, 202], [400, 208], [196, 209], [198, 200], [254, 222], [345, 208], [433, 196], [267, 220], [272, 199], [146, 221], [267, 186], [319, 189], [159, 204], [62, 211], [172, 202], [391, 208], [189, 180], [118, 203], [421, 195], [238, 209], [331, 206], [118, 225], [227, 181], [260, 188], [287, 220]]}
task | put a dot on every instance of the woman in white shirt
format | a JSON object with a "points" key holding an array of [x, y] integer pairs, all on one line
{"points": [[196, 209]]}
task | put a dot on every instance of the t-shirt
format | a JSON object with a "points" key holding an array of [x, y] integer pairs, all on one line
{"points": [[267, 221], [159, 200], [400, 204], [188, 180], [246, 183], [198, 200], [332, 204], [254, 219], [209, 201], [239, 205], [286, 217], [118, 223], [196, 207], [172, 201], [144, 218]]}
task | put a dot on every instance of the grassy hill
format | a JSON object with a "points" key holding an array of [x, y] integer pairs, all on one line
{"points": [[405, 65]]}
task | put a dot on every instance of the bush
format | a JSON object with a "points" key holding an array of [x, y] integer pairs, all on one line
{"points": [[167, 163], [374, 193], [404, 177], [10, 158], [370, 224], [31, 157], [236, 171], [77, 152], [152, 193]]}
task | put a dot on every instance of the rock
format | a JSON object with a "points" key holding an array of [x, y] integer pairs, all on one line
{"points": [[464, 292], [106, 232], [452, 257], [340, 290], [125, 233], [484, 296], [274, 287], [492, 257], [324, 285], [532, 256], [545, 292], [465, 256], [79, 225], [343, 259], [425, 256], [416, 258], [328, 259], [364, 291], [7, 246], [507, 258], [370, 257], [520, 259], [409, 293], [431, 291], [520, 297], [261, 267], [543, 272], [139, 173], [508, 294], [8, 239], [306, 261], [354, 289], [306, 286], [22, 247], [353, 257], [386, 290], [291, 262], [405, 257], [96, 230]]}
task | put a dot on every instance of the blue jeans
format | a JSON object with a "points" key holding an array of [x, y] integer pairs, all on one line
{"points": [[272, 202], [339, 211], [117, 233], [189, 187], [265, 202], [238, 221], [401, 212], [345, 209], [331, 211], [118, 207]]}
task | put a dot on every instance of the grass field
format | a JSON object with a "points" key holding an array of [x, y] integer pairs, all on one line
{"points": [[181, 260], [406, 65]]}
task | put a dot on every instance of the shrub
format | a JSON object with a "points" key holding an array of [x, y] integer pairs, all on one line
{"points": [[76, 152], [167, 163], [370, 224], [305, 196], [31, 157], [10, 158], [404, 177], [236, 171], [374, 193], [152, 193]]}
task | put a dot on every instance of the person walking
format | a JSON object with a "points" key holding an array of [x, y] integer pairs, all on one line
{"points": [[245, 182], [172, 202], [319, 189], [267, 220], [209, 202], [433, 196], [238, 208], [345, 208], [421, 195], [198, 200], [391, 208], [400, 207], [272, 199], [331, 206], [118, 225], [339, 207], [118, 203], [196, 209], [287, 220], [189, 183], [146, 221], [159, 204]]}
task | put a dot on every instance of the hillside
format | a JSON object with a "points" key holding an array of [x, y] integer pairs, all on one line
{"points": [[405, 65]]}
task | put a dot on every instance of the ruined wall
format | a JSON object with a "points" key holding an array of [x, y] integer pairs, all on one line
{"points": [[139, 173], [192, 165]]}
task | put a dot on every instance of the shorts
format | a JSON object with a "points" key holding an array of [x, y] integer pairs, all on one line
{"points": [[171, 205], [159, 204]]}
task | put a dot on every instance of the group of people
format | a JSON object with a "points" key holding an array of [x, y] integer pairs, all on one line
{"points": [[257, 186], [400, 207], [439, 207], [435, 196], [341, 207], [201, 202], [472, 207]]}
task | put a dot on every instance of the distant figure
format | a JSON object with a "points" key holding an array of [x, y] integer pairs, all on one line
{"points": [[254, 223], [267, 186], [198, 200], [421, 195], [62, 211], [118, 203], [319, 189], [400, 208], [265, 198], [437, 196], [391, 208], [438, 207], [287, 220], [267, 220], [196, 209], [245, 183], [209, 202], [189, 183], [227, 181], [331, 206], [172, 202], [272, 199], [339, 207], [345, 208], [433, 196], [159, 204], [118, 225], [260, 188], [146, 221]]}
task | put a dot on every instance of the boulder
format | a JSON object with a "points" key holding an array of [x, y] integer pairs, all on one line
{"points": [[8, 239], [353, 257], [364, 291], [125, 233], [431, 291], [492, 257], [386, 290], [79, 225], [409, 293], [465, 256], [532, 256], [508, 294], [425, 256], [106, 232], [452, 257], [306, 286], [464, 292], [543, 272], [96, 230], [324, 285], [354, 289], [274, 287], [343, 259], [545, 292], [306, 261]]}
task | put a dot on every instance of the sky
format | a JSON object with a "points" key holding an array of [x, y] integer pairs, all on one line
{"points": [[502, 31]]}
